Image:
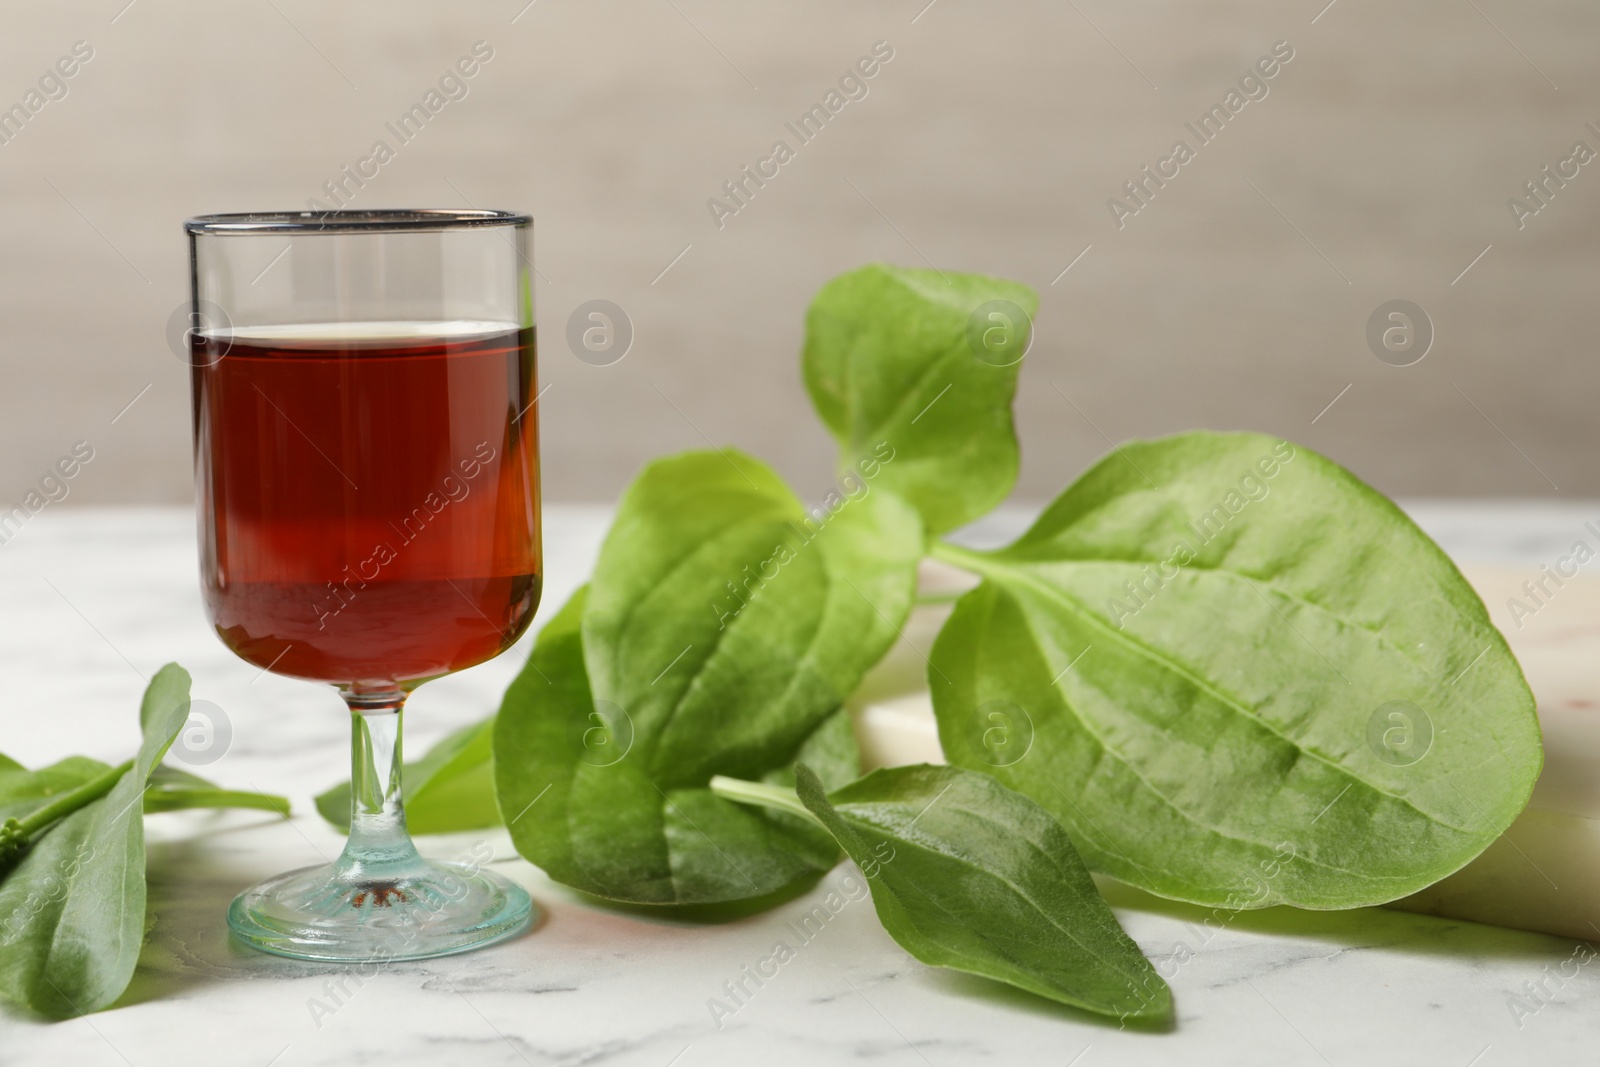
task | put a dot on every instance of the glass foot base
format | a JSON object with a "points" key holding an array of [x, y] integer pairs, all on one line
{"points": [[332, 913]]}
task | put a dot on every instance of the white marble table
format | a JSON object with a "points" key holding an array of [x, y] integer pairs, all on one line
{"points": [[93, 601]]}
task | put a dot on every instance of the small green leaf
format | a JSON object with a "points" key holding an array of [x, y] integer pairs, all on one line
{"points": [[451, 788], [914, 372], [969, 875], [1240, 677], [72, 911]]}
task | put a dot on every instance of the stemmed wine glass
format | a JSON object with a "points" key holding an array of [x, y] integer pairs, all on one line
{"points": [[367, 469]]}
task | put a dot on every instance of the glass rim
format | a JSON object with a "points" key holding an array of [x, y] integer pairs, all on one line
{"points": [[387, 220]]}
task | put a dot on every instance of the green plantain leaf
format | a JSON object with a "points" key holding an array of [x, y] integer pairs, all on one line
{"points": [[1240, 677], [914, 371], [450, 788], [727, 624], [676, 673], [967, 874], [72, 910]]}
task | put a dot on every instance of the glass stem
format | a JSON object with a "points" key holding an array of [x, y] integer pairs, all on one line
{"points": [[379, 848]]}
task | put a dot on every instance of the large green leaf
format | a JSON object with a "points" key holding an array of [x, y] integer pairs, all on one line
{"points": [[670, 678], [451, 788], [72, 910], [914, 371], [967, 874], [727, 624], [1240, 677]]}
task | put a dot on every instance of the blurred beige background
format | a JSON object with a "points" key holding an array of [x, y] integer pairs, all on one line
{"points": [[1377, 167]]}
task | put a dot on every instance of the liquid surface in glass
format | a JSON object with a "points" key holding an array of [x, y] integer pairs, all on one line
{"points": [[369, 498]]}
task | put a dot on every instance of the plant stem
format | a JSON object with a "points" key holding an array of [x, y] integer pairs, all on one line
{"points": [[72, 800], [967, 559], [760, 794], [14, 835], [980, 563], [158, 800]]}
